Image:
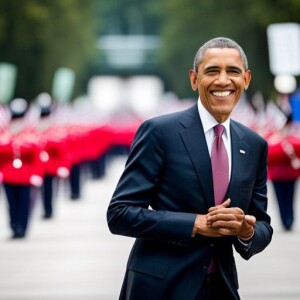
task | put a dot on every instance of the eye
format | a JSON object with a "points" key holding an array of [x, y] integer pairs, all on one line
{"points": [[212, 72], [234, 72]]}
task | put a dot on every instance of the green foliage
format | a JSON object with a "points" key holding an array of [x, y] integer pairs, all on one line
{"points": [[40, 36], [188, 24], [128, 16], [275, 11]]}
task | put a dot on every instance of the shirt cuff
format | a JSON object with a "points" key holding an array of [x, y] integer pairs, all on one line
{"points": [[246, 243]]}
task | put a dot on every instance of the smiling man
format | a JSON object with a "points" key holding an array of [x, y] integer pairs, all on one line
{"points": [[194, 187]]}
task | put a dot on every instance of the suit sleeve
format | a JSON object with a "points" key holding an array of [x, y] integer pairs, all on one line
{"points": [[129, 212], [258, 208]]}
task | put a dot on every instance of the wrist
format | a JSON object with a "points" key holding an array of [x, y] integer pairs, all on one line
{"points": [[194, 232], [200, 222], [247, 239]]}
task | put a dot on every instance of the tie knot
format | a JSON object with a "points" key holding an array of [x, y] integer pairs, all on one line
{"points": [[219, 129]]}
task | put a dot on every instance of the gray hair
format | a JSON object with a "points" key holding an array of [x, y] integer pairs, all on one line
{"points": [[219, 42]]}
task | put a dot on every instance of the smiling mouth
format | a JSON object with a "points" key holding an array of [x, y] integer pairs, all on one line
{"points": [[221, 93]]}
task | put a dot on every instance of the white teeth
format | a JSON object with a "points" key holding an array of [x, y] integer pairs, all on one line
{"points": [[222, 94]]}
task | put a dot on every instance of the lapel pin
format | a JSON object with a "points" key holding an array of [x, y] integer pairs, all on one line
{"points": [[242, 151]]}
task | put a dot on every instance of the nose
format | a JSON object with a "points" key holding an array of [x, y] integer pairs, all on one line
{"points": [[223, 78]]}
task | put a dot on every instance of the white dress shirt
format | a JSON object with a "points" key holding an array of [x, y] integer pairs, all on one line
{"points": [[208, 122]]}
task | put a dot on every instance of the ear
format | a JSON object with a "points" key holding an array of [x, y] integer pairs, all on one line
{"points": [[193, 79], [247, 79]]}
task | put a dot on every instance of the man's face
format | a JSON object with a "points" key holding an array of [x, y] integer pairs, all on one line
{"points": [[220, 80]]}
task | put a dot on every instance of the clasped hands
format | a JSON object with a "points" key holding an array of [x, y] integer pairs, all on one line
{"points": [[224, 220]]}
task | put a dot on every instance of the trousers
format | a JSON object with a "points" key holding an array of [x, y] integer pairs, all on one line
{"points": [[214, 288]]}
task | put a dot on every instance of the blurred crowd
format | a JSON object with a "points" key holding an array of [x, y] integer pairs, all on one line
{"points": [[279, 123], [43, 142]]}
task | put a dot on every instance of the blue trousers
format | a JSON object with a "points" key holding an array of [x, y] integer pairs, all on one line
{"points": [[284, 191], [19, 200]]}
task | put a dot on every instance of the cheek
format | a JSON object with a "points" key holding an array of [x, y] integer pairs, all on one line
{"points": [[202, 87], [204, 94], [238, 95]]}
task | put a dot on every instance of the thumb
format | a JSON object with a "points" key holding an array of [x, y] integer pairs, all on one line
{"points": [[225, 204], [251, 220]]}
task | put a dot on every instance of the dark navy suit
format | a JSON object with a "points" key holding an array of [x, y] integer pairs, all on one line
{"points": [[166, 182]]}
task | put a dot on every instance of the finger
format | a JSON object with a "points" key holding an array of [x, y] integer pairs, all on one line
{"points": [[226, 203], [225, 217], [225, 231], [251, 220], [229, 225], [211, 232], [231, 210]]}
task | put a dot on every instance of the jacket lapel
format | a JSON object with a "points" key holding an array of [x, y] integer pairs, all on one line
{"points": [[194, 140], [240, 153]]}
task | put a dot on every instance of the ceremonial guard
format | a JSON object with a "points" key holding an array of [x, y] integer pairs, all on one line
{"points": [[53, 152], [21, 167], [284, 170]]}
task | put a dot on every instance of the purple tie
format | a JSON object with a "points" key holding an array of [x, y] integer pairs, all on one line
{"points": [[220, 165], [220, 170]]}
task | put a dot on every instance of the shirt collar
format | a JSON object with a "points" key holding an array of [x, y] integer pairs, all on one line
{"points": [[208, 121]]}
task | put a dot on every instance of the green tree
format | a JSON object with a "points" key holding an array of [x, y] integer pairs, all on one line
{"points": [[40, 36], [188, 24], [126, 17], [274, 11], [266, 12]]}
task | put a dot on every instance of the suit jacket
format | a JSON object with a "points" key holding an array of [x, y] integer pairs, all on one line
{"points": [[166, 182]]}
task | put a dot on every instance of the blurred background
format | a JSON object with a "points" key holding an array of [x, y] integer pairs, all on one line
{"points": [[132, 37], [76, 80]]}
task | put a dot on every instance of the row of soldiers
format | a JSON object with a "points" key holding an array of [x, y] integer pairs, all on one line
{"points": [[279, 123], [44, 142]]}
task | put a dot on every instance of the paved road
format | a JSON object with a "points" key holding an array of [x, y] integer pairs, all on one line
{"points": [[73, 256]]}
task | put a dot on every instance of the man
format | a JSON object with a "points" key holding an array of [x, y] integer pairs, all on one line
{"points": [[166, 196]]}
